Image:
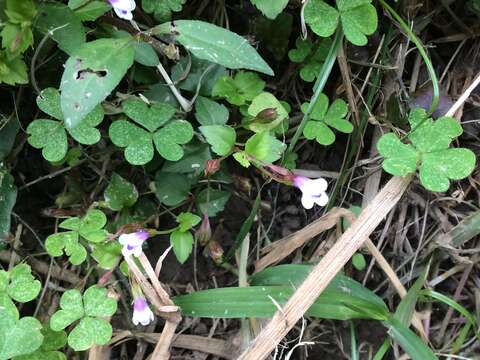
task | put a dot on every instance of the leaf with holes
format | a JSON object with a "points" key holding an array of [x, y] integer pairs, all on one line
{"points": [[150, 117], [120, 193], [323, 117], [218, 45], [169, 138], [220, 137], [240, 89], [91, 74]]}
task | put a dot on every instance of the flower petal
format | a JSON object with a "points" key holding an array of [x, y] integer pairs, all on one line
{"points": [[307, 201], [124, 14], [321, 200]]}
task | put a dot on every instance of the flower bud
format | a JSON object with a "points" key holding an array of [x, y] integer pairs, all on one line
{"points": [[266, 115], [215, 251], [212, 166], [204, 232]]}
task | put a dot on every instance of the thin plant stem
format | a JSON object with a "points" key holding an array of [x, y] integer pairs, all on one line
{"points": [[423, 54], [318, 87]]}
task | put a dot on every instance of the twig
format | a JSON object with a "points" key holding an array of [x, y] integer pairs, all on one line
{"points": [[326, 269]]}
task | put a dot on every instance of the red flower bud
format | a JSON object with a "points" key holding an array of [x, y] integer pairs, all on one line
{"points": [[212, 166], [204, 232]]}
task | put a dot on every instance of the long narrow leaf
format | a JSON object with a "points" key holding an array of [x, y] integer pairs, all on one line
{"points": [[409, 342]]}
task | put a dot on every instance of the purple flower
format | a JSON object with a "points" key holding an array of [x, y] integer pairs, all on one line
{"points": [[132, 243], [313, 191], [123, 8], [141, 312]]}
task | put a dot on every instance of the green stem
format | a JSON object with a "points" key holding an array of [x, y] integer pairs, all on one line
{"points": [[421, 50], [318, 87]]}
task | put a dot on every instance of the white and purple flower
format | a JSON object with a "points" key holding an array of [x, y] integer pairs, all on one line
{"points": [[313, 191], [141, 312], [123, 8], [132, 243]]}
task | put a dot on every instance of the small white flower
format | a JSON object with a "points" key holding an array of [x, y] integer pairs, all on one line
{"points": [[123, 8], [313, 191], [141, 312], [132, 243]]}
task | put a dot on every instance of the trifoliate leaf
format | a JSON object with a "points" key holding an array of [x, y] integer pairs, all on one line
{"points": [[322, 117], [169, 138], [400, 159], [138, 142], [50, 136], [321, 17], [150, 117]]}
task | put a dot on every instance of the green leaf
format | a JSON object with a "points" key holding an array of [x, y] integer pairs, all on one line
{"points": [[221, 137], [196, 153], [209, 112], [302, 50], [72, 223], [89, 332], [91, 74], [150, 117], [400, 159], [86, 133], [120, 193], [91, 227], [138, 142], [271, 9], [182, 243], [274, 35], [107, 255], [66, 241], [23, 287], [8, 194], [218, 45], [242, 158], [261, 102], [19, 337], [67, 29], [409, 342], [358, 261], [169, 138], [406, 308], [171, 189], [97, 303], [12, 69], [71, 310], [187, 220], [92, 10], [53, 340], [264, 147], [50, 136], [16, 39], [145, 54], [49, 102], [322, 117], [8, 133], [358, 18], [20, 12], [321, 17], [242, 88], [212, 201]]}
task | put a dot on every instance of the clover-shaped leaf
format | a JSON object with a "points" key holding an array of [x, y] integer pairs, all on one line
{"points": [[138, 142], [429, 149], [312, 57], [120, 193], [240, 89], [19, 284], [17, 336], [90, 227], [322, 118], [150, 117], [90, 330], [50, 136], [358, 18], [169, 138], [52, 341]]}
